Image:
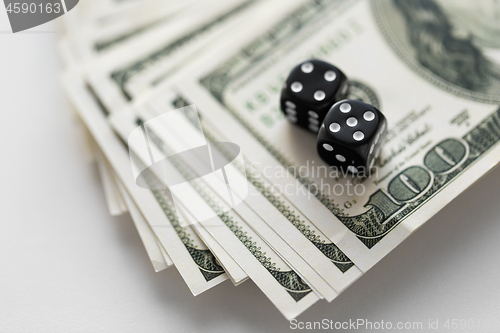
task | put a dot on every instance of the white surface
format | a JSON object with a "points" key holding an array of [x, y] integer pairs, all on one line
{"points": [[68, 266]]}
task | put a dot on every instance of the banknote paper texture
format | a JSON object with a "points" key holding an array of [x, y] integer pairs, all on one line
{"points": [[301, 231], [281, 284], [427, 157], [195, 262], [134, 67], [97, 38]]}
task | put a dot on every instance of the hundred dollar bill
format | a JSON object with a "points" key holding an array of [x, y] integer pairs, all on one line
{"points": [[273, 213], [153, 246], [444, 125], [333, 265], [278, 281], [233, 270], [197, 17], [140, 60], [129, 69], [196, 264], [223, 259], [186, 230], [100, 11], [97, 37], [165, 142], [198, 243]]}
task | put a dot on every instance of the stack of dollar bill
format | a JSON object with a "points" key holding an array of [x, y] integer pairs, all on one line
{"points": [[153, 79]]}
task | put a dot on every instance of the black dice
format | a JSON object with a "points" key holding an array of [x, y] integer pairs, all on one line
{"points": [[309, 92], [351, 136]]}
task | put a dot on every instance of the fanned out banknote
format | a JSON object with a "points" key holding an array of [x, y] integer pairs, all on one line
{"points": [[300, 231]]}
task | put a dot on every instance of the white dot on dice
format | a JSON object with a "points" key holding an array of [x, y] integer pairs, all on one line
{"points": [[291, 112], [334, 127], [327, 147], [292, 119], [290, 104], [307, 67], [312, 114], [352, 169], [330, 76], [369, 116], [296, 87], [345, 107], [351, 122], [358, 135], [319, 95], [340, 158]]}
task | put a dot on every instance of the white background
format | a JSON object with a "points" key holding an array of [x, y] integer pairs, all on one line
{"points": [[66, 265]]}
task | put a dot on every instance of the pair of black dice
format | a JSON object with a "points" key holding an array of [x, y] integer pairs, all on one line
{"points": [[350, 132]]}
